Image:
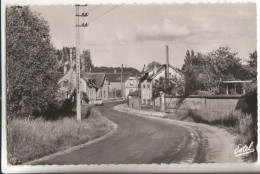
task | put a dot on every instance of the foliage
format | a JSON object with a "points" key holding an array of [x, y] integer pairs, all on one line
{"points": [[252, 65], [86, 62], [126, 70], [171, 87], [205, 71], [63, 56], [152, 64], [31, 63], [28, 140]]}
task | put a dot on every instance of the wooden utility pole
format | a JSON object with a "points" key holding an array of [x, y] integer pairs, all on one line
{"points": [[122, 80], [167, 68], [78, 58], [167, 62]]}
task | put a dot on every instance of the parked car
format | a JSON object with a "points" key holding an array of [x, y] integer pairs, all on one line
{"points": [[99, 102]]}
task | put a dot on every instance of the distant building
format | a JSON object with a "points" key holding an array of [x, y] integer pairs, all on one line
{"points": [[95, 85], [116, 84], [101, 83], [147, 81], [131, 85]]}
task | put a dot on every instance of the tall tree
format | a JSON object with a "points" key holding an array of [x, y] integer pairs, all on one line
{"points": [[191, 71], [86, 61], [31, 63]]}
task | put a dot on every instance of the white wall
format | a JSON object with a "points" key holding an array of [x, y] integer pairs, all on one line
{"points": [[172, 73], [146, 91], [130, 84]]}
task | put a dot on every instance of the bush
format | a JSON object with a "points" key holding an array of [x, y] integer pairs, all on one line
{"points": [[247, 132], [237, 122]]}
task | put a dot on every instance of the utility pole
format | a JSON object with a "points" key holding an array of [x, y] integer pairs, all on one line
{"points": [[167, 66], [78, 58], [167, 61], [122, 80]]}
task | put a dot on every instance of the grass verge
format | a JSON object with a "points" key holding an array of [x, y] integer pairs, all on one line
{"points": [[242, 125], [32, 139]]}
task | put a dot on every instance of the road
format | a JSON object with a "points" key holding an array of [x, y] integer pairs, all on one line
{"points": [[141, 140]]}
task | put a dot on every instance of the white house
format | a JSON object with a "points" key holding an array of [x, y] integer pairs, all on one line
{"points": [[91, 84], [130, 85], [152, 75]]}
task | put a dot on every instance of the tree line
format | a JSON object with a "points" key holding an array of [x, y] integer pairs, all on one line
{"points": [[205, 72]]}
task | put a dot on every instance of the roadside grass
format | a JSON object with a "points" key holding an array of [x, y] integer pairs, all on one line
{"points": [[242, 125], [32, 139]]}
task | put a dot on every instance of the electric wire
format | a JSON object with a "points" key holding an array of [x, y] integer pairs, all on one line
{"points": [[102, 14], [94, 8]]}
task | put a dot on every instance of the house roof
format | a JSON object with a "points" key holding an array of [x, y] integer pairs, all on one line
{"points": [[98, 77], [116, 77], [159, 70]]}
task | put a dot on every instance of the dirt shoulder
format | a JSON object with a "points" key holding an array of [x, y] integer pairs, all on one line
{"points": [[220, 144]]}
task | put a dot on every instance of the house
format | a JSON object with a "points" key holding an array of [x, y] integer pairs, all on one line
{"points": [[131, 85], [95, 85], [148, 80], [66, 85], [116, 84], [101, 81]]}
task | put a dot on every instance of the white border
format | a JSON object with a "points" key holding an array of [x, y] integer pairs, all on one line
{"points": [[255, 167]]}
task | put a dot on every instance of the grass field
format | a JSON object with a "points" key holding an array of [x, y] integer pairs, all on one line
{"points": [[28, 140]]}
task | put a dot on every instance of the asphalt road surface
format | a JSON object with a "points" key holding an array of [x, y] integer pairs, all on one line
{"points": [[139, 140]]}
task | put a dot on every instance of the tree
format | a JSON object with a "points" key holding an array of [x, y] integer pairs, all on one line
{"points": [[191, 69], [126, 70], [152, 64], [86, 61], [252, 65], [206, 71], [225, 64], [31, 63]]}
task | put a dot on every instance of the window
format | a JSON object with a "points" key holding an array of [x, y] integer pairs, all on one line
{"points": [[143, 86], [131, 83], [148, 86]]}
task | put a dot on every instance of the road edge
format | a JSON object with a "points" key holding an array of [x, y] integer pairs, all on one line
{"points": [[70, 149]]}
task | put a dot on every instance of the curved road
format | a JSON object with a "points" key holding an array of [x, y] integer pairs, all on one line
{"points": [[139, 140]]}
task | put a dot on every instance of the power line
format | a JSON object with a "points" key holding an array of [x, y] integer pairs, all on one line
{"points": [[103, 14], [94, 8]]}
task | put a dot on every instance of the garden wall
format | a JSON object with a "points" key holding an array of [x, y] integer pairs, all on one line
{"points": [[134, 102], [207, 107]]}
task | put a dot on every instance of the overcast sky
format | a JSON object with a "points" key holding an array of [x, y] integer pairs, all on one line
{"points": [[136, 34]]}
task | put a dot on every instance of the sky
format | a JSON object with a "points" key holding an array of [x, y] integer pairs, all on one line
{"points": [[135, 35]]}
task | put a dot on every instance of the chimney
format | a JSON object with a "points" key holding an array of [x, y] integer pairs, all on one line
{"points": [[167, 62], [154, 69], [143, 69]]}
